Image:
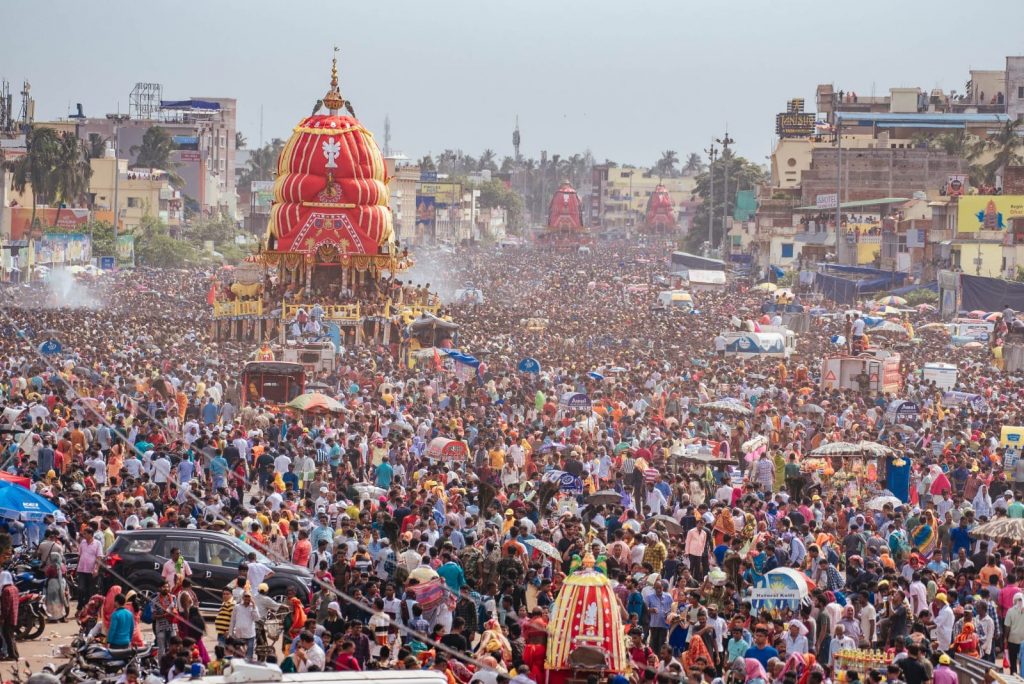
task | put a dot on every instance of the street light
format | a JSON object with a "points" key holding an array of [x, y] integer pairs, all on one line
{"points": [[725, 142], [117, 120], [712, 152]]}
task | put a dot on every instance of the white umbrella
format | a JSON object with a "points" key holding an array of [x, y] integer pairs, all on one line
{"points": [[755, 442], [879, 502]]}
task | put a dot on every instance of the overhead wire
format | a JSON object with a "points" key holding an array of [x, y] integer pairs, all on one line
{"points": [[350, 600]]}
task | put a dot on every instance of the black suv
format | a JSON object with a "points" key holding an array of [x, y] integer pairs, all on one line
{"points": [[138, 556]]}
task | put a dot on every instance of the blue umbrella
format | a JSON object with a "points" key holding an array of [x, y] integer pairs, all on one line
{"points": [[595, 375], [23, 504]]}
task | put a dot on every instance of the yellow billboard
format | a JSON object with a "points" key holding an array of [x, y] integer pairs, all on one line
{"points": [[988, 212], [1012, 436]]}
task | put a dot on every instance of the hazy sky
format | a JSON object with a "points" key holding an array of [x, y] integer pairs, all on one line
{"points": [[626, 79]]}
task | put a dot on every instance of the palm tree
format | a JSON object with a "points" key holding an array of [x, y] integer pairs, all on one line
{"points": [[959, 143], [446, 161], [1006, 145], [262, 162], [694, 165], [35, 170], [97, 145], [72, 173], [155, 153], [486, 161], [666, 166], [240, 141]]}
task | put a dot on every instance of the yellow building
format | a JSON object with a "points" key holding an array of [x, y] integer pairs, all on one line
{"points": [[140, 192], [619, 195]]}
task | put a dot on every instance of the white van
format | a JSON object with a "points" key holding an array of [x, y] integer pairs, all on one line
{"points": [[747, 344], [242, 672], [788, 336], [944, 375]]}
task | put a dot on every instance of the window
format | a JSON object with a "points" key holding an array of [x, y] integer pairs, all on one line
{"points": [[1020, 92], [787, 250], [136, 545], [189, 548], [219, 553], [134, 202]]}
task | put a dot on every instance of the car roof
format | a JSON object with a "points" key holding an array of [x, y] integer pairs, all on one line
{"points": [[176, 531]]}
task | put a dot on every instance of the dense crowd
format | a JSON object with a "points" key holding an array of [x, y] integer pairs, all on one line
{"points": [[137, 423]]}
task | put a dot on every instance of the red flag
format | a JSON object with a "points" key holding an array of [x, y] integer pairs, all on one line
{"points": [[437, 360], [211, 296]]}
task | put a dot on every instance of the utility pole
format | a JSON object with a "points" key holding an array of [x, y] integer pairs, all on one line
{"points": [[712, 152], [725, 142], [117, 120], [839, 181]]}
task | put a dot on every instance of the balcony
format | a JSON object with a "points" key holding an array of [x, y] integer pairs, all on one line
{"points": [[332, 312], [238, 308]]}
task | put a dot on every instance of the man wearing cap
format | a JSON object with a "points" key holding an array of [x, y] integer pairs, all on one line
{"points": [[944, 674], [944, 620], [244, 617]]}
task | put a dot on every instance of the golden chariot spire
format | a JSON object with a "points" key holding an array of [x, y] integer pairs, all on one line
{"points": [[333, 99]]}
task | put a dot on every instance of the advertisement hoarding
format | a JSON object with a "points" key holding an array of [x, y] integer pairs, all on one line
{"points": [[988, 212], [46, 218]]}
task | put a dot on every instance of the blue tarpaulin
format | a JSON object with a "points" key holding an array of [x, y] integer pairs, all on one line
{"points": [[900, 291], [835, 281], [190, 104], [459, 357]]}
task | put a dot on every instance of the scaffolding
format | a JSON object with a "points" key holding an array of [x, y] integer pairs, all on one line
{"points": [[144, 100]]}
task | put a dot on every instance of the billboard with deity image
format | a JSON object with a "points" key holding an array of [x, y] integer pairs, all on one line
{"points": [[988, 212]]}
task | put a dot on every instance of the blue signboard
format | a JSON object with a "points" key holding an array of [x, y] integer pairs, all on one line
{"points": [[107, 263], [529, 365], [50, 348]]}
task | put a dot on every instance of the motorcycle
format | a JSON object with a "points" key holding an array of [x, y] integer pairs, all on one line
{"points": [[31, 617], [88, 660], [27, 582], [24, 562]]}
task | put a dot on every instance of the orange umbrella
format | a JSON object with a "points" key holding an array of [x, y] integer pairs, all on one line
{"points": [[15, 479]]}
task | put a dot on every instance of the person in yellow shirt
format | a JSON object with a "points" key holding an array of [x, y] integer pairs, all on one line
{"points": [[496, 456]]}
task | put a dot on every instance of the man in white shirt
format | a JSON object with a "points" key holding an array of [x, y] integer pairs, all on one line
{"points": [[99, 466], [243, 624], [281, 463], [654, 499], [161, 469], [308, 656], [242, 444]]}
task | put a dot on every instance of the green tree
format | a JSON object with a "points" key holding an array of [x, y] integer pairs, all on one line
{"points": [[693, 165], [97, 145], [665, 167], [72, 173], [102, 234], [36, 169], [155, 150], [1006, 146], [262, 162], [155, 247], [427, 163], [494, 194], [486, 161], [742, 174], [220, 229], [240, 141]]}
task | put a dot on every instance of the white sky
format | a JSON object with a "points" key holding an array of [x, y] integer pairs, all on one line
{"points": [[626, 79]]}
